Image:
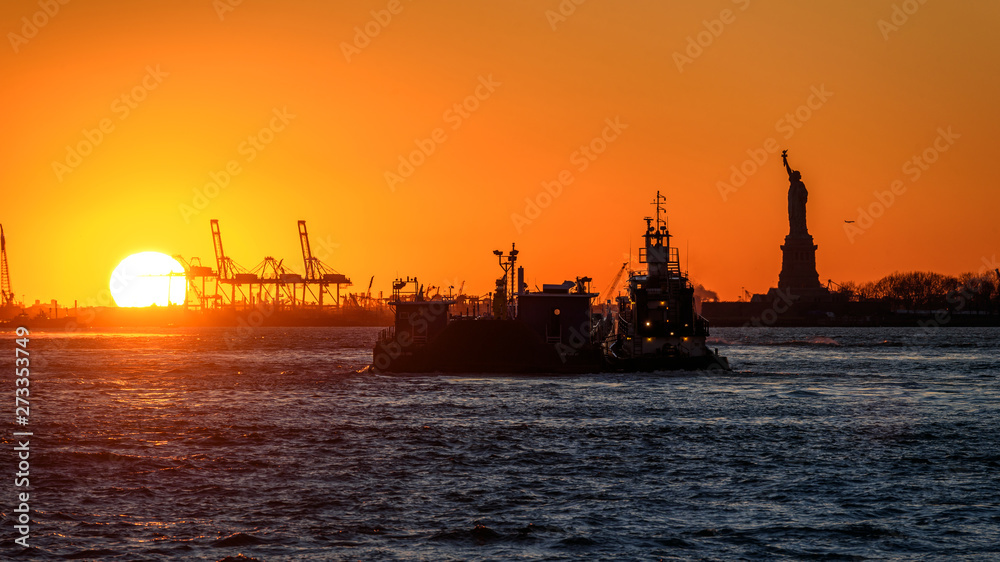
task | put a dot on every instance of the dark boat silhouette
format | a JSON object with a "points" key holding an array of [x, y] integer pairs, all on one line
{"points": [[652, 327]]}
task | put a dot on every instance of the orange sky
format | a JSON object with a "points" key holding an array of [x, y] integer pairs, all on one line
{"points": [[351, 112]]}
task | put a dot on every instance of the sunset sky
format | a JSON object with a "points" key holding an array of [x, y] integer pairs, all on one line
{"points": [[312, 106]]}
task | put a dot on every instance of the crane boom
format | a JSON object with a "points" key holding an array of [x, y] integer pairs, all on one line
{"points": [[6, 292], [220, 255], [614, 283], [307, 257]]}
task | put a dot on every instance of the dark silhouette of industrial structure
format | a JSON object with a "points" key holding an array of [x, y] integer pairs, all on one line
{"points": [[270, 282], [6, 293]]}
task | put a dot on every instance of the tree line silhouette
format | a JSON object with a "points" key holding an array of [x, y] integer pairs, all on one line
{"points": [[922, 290]]}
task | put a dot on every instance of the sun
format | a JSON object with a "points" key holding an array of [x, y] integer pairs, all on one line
{"points": [[148, 278]]}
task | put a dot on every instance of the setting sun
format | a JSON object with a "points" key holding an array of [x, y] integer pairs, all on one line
{"points": [[147, 279]]}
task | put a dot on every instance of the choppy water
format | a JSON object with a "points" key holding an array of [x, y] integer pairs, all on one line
{"points": [[190, 444]]}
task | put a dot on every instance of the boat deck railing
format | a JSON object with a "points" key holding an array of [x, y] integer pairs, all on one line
{"points": [[388, 334]]}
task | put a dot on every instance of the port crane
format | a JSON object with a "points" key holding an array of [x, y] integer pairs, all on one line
{"points": [[229, 272], [613, 286], [271, 272], [364, 299], [269, 281], [6, 293], [192, 271], [223, 263], [318, 273]]}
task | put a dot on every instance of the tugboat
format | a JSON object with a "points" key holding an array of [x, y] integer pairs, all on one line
{"points": [[556, 330], [657, 327]]}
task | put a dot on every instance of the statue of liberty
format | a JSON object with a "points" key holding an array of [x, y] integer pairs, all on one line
{"points": [[797, 197]]}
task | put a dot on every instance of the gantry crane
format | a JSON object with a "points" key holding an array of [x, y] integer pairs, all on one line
{"points": [[222, 263], [192, 271], [318, 273], [6, 293], [272, 272], [229, 271]]}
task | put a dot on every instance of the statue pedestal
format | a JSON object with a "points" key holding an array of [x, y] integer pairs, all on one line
{"points": [[798, 263]]}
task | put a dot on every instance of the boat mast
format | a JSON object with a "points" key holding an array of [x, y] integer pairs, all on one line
{"points": [[656, 254]]}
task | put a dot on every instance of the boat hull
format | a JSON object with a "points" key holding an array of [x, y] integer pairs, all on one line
{"points": [[498, 346], [484, 346]]}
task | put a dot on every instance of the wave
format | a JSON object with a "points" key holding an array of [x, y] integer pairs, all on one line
{"points": [[240, 558], [93, 554], [239, 539], [814, 341], [804, 394]]}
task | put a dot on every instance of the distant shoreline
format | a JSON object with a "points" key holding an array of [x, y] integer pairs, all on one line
{"points": [[844, 314], [178, 317]]}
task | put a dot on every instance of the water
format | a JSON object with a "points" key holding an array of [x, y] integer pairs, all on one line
{"points": [[205, 444]]}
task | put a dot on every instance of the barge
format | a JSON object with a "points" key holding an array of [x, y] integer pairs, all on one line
{"points": [[559, 329]]}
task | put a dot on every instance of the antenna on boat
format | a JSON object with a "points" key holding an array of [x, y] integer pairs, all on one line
{"points": [[660, 199]]}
